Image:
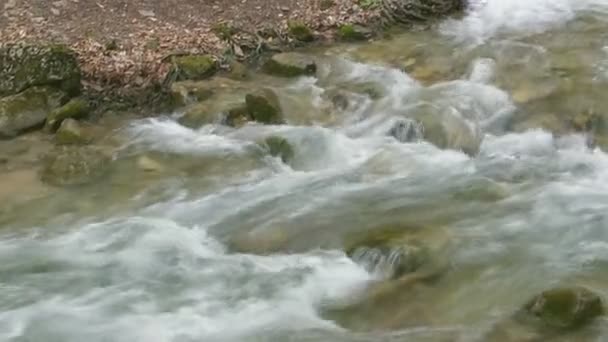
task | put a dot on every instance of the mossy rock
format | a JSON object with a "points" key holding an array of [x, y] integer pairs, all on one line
{"points": [[326, 4], [193, 67], [566, 307], [300, 31], [25, 66], [263, 106], [350, 32], [290, 64], [71, 133], [279, 147], [28, 109], [71, 165], [237, 116], [74, 109]]}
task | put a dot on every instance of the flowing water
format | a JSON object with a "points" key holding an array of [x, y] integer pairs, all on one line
{"points": [[226, 243]]}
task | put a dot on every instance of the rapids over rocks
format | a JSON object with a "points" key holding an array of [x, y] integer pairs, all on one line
{"points": [[425, 187]]}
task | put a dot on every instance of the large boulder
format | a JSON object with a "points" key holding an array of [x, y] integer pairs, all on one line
{"points": [[263, 106], [25, 66], [71, 165], [28, 109], [290, 64]]}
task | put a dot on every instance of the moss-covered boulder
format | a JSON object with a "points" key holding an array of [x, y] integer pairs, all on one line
{"points": [[350, 32], [71, 165], [300, 31], [74, 109], [290, 64], [71, 133], [279, 147], [193, 67], [263, 106], [28, 109], [566, 307], [25, 66]]}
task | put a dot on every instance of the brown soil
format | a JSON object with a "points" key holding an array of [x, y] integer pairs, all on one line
{"points": [[144, 31]]}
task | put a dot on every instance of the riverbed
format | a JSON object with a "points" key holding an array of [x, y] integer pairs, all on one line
{"points": [[199, 235]]}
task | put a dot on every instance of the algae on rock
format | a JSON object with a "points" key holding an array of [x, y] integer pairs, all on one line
{"points": [[264, 107], [193, 67], [290, 64], [74, 109]]}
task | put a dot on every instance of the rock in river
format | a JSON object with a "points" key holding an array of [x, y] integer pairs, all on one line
{"points": [[290, 64], [566, 307], [264, 107]]}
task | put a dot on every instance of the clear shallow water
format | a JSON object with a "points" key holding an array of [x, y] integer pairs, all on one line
{"points": [[161, 257]]}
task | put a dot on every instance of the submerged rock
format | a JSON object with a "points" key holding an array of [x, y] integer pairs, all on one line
{"points": [[566, 308], [405, 131], [70, 165], [74, 109], [70, 133], [198, 115], [447, 131], [264, 107], [279, 147], [28, 109], [290, 64], [25, 66], [193, 67]]}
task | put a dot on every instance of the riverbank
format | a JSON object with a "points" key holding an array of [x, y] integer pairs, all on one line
{"points": [[125, 45]]}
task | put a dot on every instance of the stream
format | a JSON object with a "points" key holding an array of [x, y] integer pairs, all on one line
{"points": [[224, 242]]}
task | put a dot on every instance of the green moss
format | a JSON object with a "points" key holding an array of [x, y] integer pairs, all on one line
{"points": [[75, 109], [279, 147], [24, 66], [237, 116], [351, 32], [290, 65], [300, 31], [194, 67], [264, 107]]}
